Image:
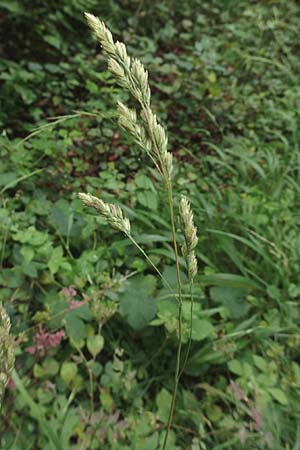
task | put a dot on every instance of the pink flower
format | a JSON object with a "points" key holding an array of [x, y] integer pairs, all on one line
{"points": [[257, 419], [74, 304], [43, 340], [69, 292], [11, 384], [237, 391]]}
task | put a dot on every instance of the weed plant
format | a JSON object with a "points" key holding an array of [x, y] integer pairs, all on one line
{"points": [[6, 351], [151, 137]]}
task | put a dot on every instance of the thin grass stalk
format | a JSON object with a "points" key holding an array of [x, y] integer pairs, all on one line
{"points": [[191, 329], [149, 260], [7, 358], [179, 347]]}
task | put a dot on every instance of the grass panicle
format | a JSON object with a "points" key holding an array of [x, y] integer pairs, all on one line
{"points": [[7, 358], [143, 125], [131, 74], [190, 237], [112, 213]]}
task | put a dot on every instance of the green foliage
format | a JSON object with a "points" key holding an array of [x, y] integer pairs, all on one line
{"points": [[137, 302], [225, 79]]}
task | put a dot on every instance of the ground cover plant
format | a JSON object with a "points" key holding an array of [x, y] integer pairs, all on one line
{"points": [[94, 363]]}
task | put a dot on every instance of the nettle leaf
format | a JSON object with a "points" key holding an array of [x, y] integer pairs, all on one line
{"points": [[64, 219], [74, 322], [147, 199], [144, 182], [55, 259], [201, 329], [8, 177], [170, 275], [234, 299], [30, 236], [137, 303]]}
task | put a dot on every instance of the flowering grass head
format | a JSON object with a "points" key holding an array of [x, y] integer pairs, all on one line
{"points": [[112, 213], [7, 358], [190, 236]]}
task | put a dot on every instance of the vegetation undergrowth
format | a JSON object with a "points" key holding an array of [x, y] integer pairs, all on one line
{"points": [[95, 331]]}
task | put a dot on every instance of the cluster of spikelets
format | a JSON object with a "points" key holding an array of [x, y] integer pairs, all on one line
{"points": [[190, 237], [142, 124], [112, 213], [147, 132], [131, 74], [6, 351]]}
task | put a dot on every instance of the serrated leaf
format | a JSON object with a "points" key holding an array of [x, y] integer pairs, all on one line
{"points": [[148, 199], [74, 326], [201, 329], [137, 303], [234, 299]]}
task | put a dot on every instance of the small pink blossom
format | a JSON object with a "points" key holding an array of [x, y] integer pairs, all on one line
{"points": [[69, 292], [242, 434], [11, 384], [43, 340], [257, 419], [74, 304], [237, 391]]}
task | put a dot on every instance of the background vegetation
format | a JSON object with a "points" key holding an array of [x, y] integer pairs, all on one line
{"points": [[95, 329]]}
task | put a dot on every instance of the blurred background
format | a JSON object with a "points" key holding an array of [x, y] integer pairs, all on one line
{"points": [[95, 330]]}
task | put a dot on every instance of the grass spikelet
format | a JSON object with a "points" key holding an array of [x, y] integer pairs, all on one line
{"points": [[102, 33], [190, 236], [7, 358], [112, 213], [131, 74]]}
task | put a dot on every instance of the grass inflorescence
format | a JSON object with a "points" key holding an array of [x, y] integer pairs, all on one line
{"points": [[7, 358], [151, 136]]}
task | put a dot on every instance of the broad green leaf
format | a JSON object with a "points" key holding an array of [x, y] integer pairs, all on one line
{"points": [[95, 344], [163, 401], [232, 298], [74, 326], [201, 329], [148, 199], [279, 395], [48, 368], [74, 323], [68, 372], [55, 260], [137, 303], [236, 367], [8, 178], [53, 40], [143, 182], [260, 362], [12, 6]]}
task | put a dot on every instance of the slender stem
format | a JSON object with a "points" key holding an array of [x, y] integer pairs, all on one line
{"points": [[178, 356], [191, 329], [150, 261]]}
